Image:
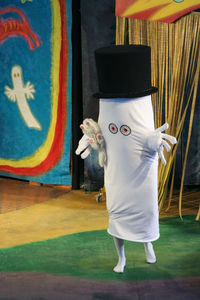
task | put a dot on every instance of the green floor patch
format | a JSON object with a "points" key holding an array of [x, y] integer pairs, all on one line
{"points": [[92, 255]]}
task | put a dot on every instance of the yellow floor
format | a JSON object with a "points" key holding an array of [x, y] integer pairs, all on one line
{"points": [[72, 212], [37, 213]]}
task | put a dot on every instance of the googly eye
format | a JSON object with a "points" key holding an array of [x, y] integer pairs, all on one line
{"points": [[113, 128], [125, 130]]}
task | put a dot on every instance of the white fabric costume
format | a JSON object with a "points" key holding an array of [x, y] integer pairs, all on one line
{"points": [[128, 145], [128, 148], [131, 169]]}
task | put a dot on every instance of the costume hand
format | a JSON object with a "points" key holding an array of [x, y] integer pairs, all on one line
{"points": [[84, 147], [92, 139], [157, 141]]}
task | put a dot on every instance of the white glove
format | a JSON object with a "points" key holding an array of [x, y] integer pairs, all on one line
{"points": [[156, 141], [92, 139]]}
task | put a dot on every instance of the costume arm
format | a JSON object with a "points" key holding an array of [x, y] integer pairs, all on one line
{"points": [[156, 141], [92, 139]]}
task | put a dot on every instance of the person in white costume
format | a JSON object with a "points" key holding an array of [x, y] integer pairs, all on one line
{"points": [[128, 146]]}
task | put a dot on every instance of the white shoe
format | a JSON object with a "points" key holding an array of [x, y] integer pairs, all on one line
{"points": [[150, 255], [119, 268]]}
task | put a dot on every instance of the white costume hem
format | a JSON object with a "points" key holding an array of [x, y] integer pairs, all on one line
{"points": [[137, 241]]}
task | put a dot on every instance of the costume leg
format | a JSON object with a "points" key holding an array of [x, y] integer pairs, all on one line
{"points": [[150, 255], [119, 244]]}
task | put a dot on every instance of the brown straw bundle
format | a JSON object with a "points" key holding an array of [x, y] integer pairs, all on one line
{"points": [[175, 70]]}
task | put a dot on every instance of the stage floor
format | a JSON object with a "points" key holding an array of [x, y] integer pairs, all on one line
{"points": [[33, 214]]}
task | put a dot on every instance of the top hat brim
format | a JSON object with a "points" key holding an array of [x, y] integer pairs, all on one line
{"points": [[150, 91]]}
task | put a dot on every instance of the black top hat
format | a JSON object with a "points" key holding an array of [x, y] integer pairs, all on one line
{"points": [[124, 71]]}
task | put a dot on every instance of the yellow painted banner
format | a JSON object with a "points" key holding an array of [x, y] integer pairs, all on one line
{"points": [[155, 10]]}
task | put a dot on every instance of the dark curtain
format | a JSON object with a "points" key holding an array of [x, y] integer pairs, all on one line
{"points": [[192, 174], [77, 104], [97, 30]]}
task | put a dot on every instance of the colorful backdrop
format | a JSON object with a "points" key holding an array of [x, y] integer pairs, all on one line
{"points": [[35, 90], [155, 10]]}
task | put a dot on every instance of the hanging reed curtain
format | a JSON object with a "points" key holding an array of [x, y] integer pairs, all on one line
{"points": [[175, 62]]}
